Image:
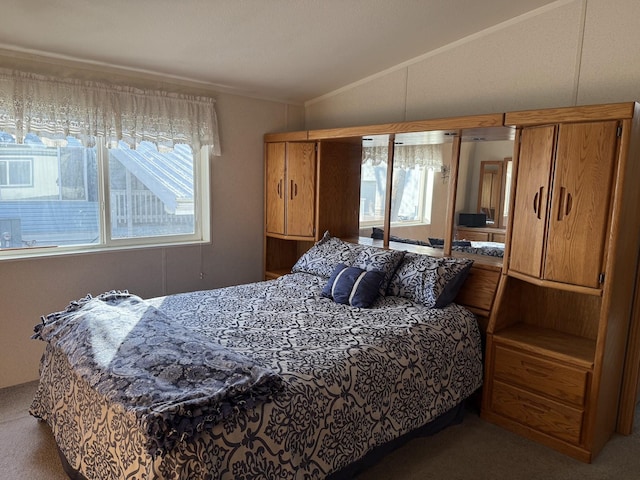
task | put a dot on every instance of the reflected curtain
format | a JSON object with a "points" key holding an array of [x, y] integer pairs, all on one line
{"points": [[56, 108], [405, 156]]}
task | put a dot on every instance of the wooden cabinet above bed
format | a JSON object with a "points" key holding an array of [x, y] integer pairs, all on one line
{"points": [[308, 190], [563, 200], [290, 173]]}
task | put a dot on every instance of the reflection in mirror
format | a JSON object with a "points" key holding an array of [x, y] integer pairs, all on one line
{"points": [[419, 186], [484, 182], [490, 192], [373, 182]]}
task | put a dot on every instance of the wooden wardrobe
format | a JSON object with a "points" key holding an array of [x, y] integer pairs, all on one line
{"points": [[557, 337]]}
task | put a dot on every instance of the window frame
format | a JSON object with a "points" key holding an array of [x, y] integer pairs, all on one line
{"points": [[7, 167], [202, 218]]}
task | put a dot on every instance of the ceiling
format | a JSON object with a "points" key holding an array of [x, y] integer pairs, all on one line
{"points": [[285, 50]]}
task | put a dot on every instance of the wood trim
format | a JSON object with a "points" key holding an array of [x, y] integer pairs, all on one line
{"points": [[290, 237], [566, 448], [287, 136], [611, 111], [452, 123], [630, 394], [453, 187], [560, 286]]}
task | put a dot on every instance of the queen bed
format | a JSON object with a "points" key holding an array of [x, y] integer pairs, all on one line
{"points": [[301, 377]]}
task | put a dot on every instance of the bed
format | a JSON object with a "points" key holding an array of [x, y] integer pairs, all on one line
{"points": [[491, 249], [319, 371]]}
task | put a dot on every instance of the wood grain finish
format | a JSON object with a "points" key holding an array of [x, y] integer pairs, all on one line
{"points": [[338, 204], [531, 202], [479, 289], [557, 337], [549, 343], [274, 187], [611, 111], [539, 412], [300, 189], [442, 124], [287, 136], [562, 382], [581, 202], [290, 178]]}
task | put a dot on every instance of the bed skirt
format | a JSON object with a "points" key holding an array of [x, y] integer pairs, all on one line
{"points": [[450, 418]]}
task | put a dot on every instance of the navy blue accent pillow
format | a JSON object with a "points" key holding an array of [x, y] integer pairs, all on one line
{"points": [[353, 286]]}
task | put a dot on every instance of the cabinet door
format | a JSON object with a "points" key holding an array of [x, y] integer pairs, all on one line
{"points": [[300, 189], [580, 202], [532, 193], [275, 188]]}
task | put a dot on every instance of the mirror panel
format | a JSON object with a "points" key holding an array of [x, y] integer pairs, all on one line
{"points": [[484, 181], [373, 183], [420, 187]]}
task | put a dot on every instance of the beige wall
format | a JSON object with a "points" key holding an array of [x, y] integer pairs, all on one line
{"points": [[568, 53], [31, 288]]}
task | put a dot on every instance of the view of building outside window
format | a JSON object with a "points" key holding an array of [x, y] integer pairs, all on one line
{"points": [[50, 196]]}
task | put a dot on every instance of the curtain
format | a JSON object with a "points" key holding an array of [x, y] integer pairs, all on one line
{"points": [[56, 108], [405, 156]]}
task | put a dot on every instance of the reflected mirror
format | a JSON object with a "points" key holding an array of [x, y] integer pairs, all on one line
{"points": [[491, 192], [482, 195]]}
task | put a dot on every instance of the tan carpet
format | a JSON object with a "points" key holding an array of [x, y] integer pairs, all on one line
{"points": [[473, 450]]}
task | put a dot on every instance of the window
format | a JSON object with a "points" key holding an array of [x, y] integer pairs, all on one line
{"points": [[15, 172], [150, 197], [88, 165]]}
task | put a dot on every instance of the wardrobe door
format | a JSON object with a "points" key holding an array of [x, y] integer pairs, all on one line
{"points": [[275, 188], [580, 204], [531, 200], [300, 189]]}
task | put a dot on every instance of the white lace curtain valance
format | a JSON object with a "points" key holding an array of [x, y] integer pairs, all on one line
{"points": [[405, 156], [54, 109]]}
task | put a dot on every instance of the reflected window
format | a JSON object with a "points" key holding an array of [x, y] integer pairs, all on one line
{"points": [[412, 195], [414, 173]]}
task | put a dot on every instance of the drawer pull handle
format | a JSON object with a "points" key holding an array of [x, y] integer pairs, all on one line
{"points": [[537, 408], [537, 370]]}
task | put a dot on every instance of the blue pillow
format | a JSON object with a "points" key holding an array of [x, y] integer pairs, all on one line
{"points": [[353, 286]]}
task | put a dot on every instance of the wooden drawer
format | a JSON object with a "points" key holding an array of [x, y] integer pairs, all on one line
{"points": [[542, 414], [473, 236], [561, 382], [498, 237]]}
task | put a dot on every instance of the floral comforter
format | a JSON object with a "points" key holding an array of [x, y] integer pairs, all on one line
{"points": [[352, 379]]}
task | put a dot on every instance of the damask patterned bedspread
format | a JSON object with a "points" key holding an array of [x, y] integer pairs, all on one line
{"points": [[175, 382], [353, 379]]}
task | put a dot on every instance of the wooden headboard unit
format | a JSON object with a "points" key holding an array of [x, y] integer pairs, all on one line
{"points": [[479, 289]]}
